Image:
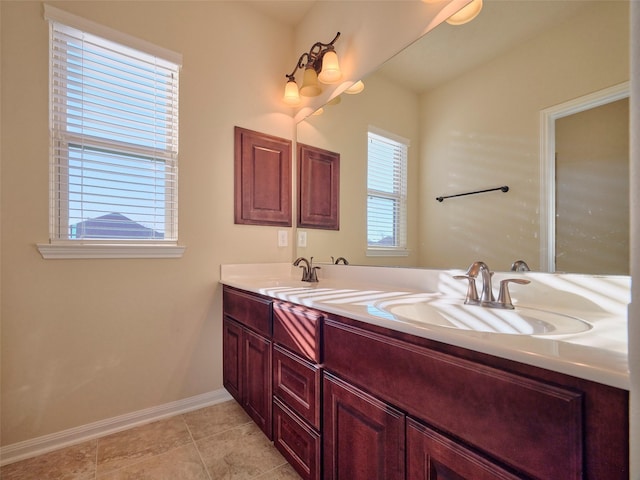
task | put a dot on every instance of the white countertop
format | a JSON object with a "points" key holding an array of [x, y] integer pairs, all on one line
{"points": [[598, 354]]}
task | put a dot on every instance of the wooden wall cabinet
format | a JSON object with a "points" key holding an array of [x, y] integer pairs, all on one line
{"points": [[318, 188], [262, 179]]}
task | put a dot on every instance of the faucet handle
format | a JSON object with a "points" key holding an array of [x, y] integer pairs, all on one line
{"points": [[472, 292], [313, 274], [504, 297]]}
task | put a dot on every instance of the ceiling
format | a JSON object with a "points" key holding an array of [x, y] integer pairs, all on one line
{"points": [[447, 51]]}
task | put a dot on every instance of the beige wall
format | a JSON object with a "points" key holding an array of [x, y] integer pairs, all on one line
{"points": [[343, 128], [486, 125], [592, 190], [85, 340]]}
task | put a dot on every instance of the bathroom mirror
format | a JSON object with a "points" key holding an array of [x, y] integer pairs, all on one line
{"points": [[469, 99]]}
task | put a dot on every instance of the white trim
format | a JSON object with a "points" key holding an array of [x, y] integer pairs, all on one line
{"points": [[548, 119], [48, 443], [71, 20], [54, 251]]}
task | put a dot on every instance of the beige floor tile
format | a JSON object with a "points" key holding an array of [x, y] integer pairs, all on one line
{"points": [[285, 472], [131, 446], [72, 463], [215, 419], [182, 463], [239, 454]]}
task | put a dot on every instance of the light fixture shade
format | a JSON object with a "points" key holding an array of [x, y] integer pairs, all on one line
{"points": [[310, 87], [466, 13], [355, 88], [291, 94], [330, 68]]}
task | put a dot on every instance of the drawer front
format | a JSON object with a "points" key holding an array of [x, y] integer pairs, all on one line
{"points": [[298, 443], [297, 383], [251, 311], [533, 426], [298, 328]]}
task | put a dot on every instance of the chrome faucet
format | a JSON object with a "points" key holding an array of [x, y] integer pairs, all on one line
{"points": [[309, 272], [486, 298], [520, 266], [482, 268], [340, 259]]}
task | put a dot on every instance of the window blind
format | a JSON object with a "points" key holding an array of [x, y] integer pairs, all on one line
{"points": [[386, 192], [114, 140]]}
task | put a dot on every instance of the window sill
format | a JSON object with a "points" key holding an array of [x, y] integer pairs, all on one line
{"points": [[53, 251]]}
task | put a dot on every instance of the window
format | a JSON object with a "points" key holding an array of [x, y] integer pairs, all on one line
{"points": [[114, 137], [386, 194]]}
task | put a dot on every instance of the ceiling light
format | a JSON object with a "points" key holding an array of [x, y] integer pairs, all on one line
{"points": [[355, 88], [466, 13]]}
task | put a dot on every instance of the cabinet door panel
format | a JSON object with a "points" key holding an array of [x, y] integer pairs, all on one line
{"points": [[257, 380], [431, 456], [232, 358], [363, 437]]}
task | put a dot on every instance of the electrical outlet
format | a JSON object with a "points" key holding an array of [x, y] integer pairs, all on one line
{"points": [[302, 239], [283, 238]]}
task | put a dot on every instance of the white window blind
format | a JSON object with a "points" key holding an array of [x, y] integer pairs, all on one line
{"points": [[386, 192], [114, 141]]}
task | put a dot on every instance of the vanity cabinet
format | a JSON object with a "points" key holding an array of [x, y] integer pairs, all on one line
{"points": [[348, 400], [475, 416], [246, 346], [297, 373]]}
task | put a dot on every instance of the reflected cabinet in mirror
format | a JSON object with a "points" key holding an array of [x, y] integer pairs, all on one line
{"points": [[469, 99]]}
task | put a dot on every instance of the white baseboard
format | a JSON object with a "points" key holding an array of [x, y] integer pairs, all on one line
{"points": [[48, 443]]}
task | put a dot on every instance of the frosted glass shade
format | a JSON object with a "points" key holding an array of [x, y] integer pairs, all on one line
{"points": [[291, 94], [466, 13], [330, 68], [355, 88], [310, 87]]}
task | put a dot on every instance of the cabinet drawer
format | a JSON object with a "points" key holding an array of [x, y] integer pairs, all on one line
{"points": [[298, 443], [251, 311], [297, 328], [533, 426], [297, 382]]}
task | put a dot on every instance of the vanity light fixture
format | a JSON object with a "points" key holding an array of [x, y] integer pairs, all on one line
{"points": [[320, 63]]}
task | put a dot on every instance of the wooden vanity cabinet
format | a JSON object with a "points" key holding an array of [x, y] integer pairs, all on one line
{"points": [[297, 373], [476, 416], [246, 346]]}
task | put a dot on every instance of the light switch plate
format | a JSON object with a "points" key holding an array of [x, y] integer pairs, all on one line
{"points": [[302, 239], [283, 238]]}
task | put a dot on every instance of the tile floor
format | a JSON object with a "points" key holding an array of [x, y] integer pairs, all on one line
{"points": [[217, 442]]}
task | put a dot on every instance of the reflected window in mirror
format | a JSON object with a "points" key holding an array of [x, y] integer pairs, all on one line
{"points": [[386, 193]]}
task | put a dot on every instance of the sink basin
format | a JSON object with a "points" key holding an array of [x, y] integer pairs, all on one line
{"points": [[453, 313]]}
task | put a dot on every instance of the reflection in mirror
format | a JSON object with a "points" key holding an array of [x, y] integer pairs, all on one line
{"points": [[471, 112]]}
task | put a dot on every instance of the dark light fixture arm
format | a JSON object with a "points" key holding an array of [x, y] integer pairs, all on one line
{"points": [[313, 57]]}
